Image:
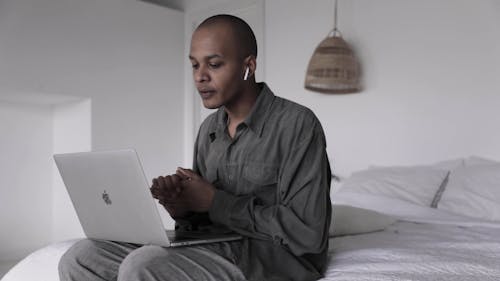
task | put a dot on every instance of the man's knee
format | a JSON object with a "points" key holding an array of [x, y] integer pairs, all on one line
{"points": [[86, 259], [146, 261], [70, 263], [180, 264]]}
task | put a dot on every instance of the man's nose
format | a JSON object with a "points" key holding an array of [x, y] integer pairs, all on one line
{"points": [[200, 74]]}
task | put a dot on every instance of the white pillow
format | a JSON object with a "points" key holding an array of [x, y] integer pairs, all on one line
{"points": [[473, 191], [449, 165], [417, 184], [349, 220], [476, 160]]}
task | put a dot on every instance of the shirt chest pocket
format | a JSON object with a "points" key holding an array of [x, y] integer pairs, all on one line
{"points": [[259, 176]]}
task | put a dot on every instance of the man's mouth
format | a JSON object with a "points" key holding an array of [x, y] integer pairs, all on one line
{"points": [[206, 93]]}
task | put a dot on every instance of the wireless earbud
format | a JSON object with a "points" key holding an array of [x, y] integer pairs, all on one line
{"points": [[246, 74]]}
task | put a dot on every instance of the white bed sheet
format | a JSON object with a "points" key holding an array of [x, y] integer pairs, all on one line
{"points": [[417, 251], [40, 265], [426, 244]]}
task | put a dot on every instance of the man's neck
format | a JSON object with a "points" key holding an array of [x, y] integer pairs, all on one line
{"points": [[240, 109]]}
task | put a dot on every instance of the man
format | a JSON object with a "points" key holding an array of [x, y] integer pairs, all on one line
{"points": [[260, 169]]}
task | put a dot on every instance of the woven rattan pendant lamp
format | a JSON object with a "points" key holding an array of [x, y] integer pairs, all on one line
{"points": [[333, 68]]}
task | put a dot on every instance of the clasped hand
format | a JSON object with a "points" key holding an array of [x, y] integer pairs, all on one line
{"points": [[183, 192]]}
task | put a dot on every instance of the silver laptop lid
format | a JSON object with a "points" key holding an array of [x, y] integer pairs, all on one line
{"points": [[111, 196]]}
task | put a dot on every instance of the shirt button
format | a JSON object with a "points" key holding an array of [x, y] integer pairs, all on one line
{"points": [[276, 240]]}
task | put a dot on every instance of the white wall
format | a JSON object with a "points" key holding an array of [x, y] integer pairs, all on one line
{"points": [[126, 56], [430, 73], [25, 178], [71, 133], [34, 206]]}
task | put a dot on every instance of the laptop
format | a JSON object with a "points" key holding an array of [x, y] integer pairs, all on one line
{"points": [[112, 199]]}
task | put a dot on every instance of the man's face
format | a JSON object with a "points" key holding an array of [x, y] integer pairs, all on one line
{"points": [[217, 66]]}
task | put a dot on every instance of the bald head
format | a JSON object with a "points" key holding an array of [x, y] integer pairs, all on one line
{"points": [[223, 57], [243, 37]]}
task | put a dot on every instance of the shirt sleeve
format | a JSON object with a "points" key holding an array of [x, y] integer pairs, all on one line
{"points": [[301, 218]]}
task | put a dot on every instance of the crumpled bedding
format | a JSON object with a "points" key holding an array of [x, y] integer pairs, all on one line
{"points": [[417, 251]]}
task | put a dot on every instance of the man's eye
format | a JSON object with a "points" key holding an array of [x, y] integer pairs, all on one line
{"points": [[214, 65], [195, 66]]}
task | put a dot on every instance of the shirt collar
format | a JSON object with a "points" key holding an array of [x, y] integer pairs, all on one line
{"points": [[257, 117]]}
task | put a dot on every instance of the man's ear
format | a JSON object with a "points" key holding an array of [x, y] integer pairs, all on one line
{"points": [[251, 63]]}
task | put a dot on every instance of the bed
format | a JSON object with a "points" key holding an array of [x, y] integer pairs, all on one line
{"points": [[417, 250], [435, 222]]}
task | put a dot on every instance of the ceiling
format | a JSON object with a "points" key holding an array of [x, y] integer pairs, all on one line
{"points": [[188, 5], [179, 5]]}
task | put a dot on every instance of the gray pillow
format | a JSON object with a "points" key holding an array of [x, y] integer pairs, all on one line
{"points": [[349, 220]]}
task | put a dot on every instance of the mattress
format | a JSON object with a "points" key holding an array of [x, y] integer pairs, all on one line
{"points": [[403, 251], [423, 244]]}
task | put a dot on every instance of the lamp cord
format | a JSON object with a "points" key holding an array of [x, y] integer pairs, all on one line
{"points": [[335, 31], [335, 17]]}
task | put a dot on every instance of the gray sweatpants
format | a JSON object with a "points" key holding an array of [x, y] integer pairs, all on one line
{"points": [[98, 260]]}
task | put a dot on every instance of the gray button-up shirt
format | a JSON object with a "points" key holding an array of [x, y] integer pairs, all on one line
{"points": [[273, 182]]}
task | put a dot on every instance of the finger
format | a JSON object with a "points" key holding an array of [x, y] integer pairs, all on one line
{"points": [[154, 182], [161, 200], [169, 186], [181, 174], [176, 181], [187, 173], [161, 184], [155, 188], [154, 192]]}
